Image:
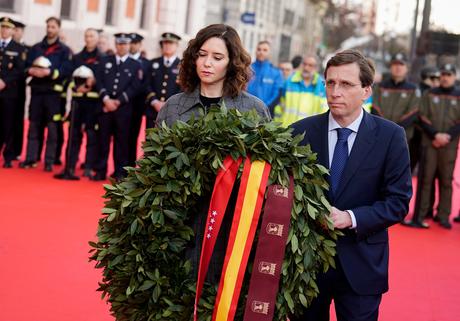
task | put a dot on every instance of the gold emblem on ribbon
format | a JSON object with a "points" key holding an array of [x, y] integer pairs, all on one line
{"points": [[267, 268], [280, 191], [275, 229], [260, 307]]}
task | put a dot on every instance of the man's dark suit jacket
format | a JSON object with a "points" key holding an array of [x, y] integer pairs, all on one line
{"points": [[376, 186]]}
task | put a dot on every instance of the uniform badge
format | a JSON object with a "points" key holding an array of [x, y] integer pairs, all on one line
{"points": [[436, 99], [108, 65], [155, 65], [403, 95], [453, 102], [175, 71]]}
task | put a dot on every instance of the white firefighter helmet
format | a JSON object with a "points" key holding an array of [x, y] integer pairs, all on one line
{"points": [[42, 62], [83, 72]]}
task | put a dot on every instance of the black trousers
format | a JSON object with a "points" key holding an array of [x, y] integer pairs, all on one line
{"points": [[60, 130], [43, 107], [18, 135], [349, 306], [117, 125], [136, 122], [82, 120], [8, 122]]}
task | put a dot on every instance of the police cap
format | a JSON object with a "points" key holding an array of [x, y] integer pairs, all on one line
{"points": [[135, 37], [122, 38], [169, 36], [448, 69], [7, 22], [430, 72], [19, 24], [399, 57]]}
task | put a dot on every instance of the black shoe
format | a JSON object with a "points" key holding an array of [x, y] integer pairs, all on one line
{"points": [[445, 224], [57, 162], [457, 219], [7, 164], [27, 164], [98, 177], [67, 175], [87, 173], [416, 224]]}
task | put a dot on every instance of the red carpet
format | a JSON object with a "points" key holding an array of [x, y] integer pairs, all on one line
{"points": [[45, 226]]}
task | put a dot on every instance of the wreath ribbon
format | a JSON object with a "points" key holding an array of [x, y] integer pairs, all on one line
{"points": [[245, 220]]}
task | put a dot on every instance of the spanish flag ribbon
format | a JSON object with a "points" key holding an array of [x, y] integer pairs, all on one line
{"points": [[247, 212], [223, 186]]}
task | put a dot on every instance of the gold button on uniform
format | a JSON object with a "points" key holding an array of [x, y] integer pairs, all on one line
{"points": [[166, 77], [163, 91], [162, 99], [164, 83]]}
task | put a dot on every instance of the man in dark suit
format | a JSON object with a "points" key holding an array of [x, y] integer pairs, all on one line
{"points": [[370, 189]]}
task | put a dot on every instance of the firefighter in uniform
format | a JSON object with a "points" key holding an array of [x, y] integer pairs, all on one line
{"points": [[12, 62], [18, 137], [397, 99], [139, 99], [162, 76], [86, 105], [440, 119], [118, 79], [49, 62]]}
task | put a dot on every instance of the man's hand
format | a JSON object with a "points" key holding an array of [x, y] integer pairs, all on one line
{"points": [[39, 72], [2, 85], [110, 105], [157, 105], [441, 140], [341, 219]]}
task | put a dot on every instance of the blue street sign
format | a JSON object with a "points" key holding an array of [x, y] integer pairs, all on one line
{"points": [[249, 18]]}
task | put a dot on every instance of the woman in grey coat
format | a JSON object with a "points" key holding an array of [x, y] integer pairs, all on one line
{"points": [[215, 69]]}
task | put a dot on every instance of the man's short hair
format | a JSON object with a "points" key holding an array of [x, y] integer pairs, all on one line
{"points": [[55, 19], [264, 42], [350, 56]]}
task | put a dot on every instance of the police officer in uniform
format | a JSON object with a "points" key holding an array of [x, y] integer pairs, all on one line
{"points": [[49, 62], [118, 79], [397, 99], [12, 62], [162, 76], [86, 105], [440, 119], [139, 99], [18, 136]]}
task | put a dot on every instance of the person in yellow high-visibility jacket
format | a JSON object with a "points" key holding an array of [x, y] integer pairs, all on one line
{"points": [[303, 94]]}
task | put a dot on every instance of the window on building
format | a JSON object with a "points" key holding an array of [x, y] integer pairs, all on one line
{"points": [[7, 5], [285, 54], [66, 9], [144, 14], [109, 12], [288, 17]]}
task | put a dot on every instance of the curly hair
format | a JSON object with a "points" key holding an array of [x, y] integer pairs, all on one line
{"points": [[238, 69]]}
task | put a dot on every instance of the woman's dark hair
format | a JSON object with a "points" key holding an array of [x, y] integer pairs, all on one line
{"points": [[366, 66], [238, 69]]}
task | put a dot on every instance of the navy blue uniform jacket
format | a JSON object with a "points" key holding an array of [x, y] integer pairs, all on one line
{"points": [[376, 185]]}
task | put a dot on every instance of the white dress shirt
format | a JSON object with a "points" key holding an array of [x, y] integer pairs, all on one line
{"points": [[168, 61], [121, 59], [332, 141]]}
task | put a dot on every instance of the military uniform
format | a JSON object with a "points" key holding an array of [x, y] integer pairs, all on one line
{"points": [[161, 79], [138, 104], [45, 101], [122, 82], [439, 113], [398, 102], [12, 63], [86, 106]]}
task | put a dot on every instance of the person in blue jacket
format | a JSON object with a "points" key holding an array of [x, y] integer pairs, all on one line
{"points": [[267, 81]]}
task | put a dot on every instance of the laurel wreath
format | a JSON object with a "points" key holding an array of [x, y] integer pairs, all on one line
{"points": [[143, 232]]}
